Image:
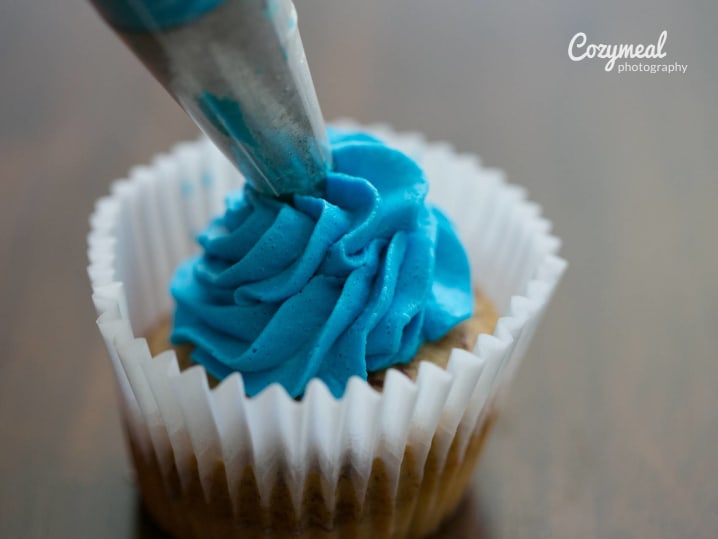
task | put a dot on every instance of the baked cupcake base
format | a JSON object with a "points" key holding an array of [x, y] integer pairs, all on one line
{"points": [[424, 498]]}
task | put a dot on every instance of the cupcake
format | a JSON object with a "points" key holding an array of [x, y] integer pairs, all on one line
{"points": [[285, 388]]}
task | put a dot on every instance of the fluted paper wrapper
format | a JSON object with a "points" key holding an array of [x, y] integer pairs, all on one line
{"points": [[215, 463]]}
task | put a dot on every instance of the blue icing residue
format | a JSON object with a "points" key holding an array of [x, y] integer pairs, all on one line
{"points": [[138, 15], [226, 117], [207, 180], [272, 8], [326, 288], [187, 188], [249, 149]]}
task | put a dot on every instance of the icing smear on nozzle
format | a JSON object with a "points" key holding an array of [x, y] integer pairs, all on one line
{"points": [[238, 68]]}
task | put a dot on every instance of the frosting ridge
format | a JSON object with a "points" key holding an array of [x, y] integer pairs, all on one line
{"points": [[330, 287]]}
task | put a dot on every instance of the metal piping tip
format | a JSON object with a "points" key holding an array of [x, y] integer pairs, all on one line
{"points": [[238, 68]]}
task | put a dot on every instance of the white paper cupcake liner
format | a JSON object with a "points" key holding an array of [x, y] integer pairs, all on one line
{"points": [[141, 232]]}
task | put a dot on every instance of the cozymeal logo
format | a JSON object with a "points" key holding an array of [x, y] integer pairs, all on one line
{"points": [[580, 49]]}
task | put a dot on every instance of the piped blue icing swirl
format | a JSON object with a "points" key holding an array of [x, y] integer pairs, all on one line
{"points": [[327, 288]]}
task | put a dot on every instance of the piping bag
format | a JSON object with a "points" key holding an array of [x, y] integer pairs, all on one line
{"points": [[238, 68]]}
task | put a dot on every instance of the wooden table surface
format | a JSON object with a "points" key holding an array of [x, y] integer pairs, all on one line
{"points": [[611, 429]]}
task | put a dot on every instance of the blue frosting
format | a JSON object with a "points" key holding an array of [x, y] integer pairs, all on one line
{"points": [[137, 15], [327, 288]]}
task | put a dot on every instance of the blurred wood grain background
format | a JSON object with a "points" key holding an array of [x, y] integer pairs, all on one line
{"points": [[611, 429]]}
